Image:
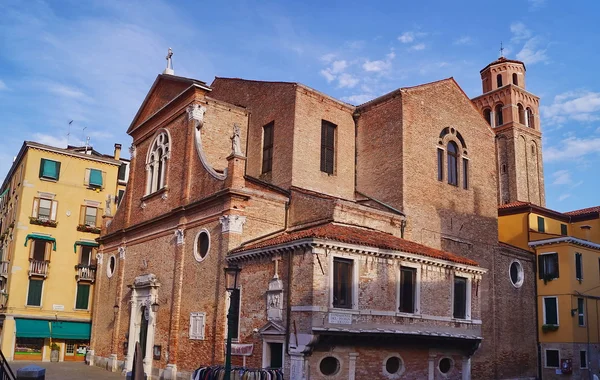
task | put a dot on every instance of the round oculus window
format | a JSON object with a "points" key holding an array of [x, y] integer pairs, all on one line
{"points": [[445, 365], [393, 365], [329, 366], [202, 245], [112, 265], [516, 274]]}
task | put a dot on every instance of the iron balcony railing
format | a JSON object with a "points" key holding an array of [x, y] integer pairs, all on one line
{"points": [[6, 372], [4, 268], [86, 272], [38, 268]]}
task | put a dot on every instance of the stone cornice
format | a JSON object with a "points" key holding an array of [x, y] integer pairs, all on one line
{"points": [[565, 239]]}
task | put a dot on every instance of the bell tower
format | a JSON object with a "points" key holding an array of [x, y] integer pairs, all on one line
{"points": [[513, 114]]}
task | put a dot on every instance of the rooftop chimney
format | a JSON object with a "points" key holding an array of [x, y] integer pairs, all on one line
{"points": [[117, 154]]}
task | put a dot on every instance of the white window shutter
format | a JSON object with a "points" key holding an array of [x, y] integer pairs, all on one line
{"points": [[197, 325], [86, 180], [36, 202], [54, 208]]}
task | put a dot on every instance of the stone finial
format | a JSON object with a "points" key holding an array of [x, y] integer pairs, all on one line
{"points": [[196, 113], [232, 223], [99, 258]]}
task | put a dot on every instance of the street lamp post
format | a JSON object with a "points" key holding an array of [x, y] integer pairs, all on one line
{"points": [[232, 285]]}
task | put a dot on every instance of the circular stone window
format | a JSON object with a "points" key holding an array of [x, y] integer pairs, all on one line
{"points": [[202, 245], [393, 367], [329, 366], [445, 365], [112, 264], [516, 274]]}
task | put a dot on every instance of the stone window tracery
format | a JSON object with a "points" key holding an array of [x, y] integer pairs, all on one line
{"points": [[156, 163], [455, 147]]}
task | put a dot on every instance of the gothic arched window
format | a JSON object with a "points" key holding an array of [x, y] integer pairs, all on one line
{"points": [[487, 114], [529, 122], [156, 163], [515, 79], [499, 80], [498, 112], [521, 113], [452, 151]]}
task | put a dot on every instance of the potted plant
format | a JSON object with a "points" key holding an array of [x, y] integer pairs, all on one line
{"points": [[54, 353]]}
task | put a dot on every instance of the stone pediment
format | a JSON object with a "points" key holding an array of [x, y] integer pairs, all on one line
{"points": [[272, 328], [146, 281]]}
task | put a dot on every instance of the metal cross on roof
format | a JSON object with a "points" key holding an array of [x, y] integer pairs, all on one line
{"points": [[169, 69], [501, 50]]}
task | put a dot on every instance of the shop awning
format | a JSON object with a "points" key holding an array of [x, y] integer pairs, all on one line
{"points": [[85, 243], [41, 237], [71, 330], [32, 328]]}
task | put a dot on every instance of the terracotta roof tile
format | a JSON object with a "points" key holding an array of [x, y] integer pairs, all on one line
{"points": [[359, 236], [514, 204], [584, 211]]}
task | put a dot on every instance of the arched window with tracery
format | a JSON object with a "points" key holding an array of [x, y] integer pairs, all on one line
{"points": [[499, 80], [521, 113], [452, 152], [498, 112], [156, 163]]}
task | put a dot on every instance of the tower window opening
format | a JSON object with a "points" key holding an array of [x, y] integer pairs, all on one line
{"points": [[529, 122], [515, 79], [487, 114], [521, 113], [498, 112], [499, 80]]}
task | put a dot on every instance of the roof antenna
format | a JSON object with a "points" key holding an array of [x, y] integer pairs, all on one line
{"points": [[69, 132], [501, 50], [169, 70]]}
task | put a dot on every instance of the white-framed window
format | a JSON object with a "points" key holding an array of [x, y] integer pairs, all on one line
{"points": [[461, 296], [343, 284], [516, 273], [273, 352], [552, 358], [202, 245], [44, 209], [409, 288], [330, 365], [111, 266], [578, 266], [197, 325], [393, 367], [581, 311], [156, 162], [550, 310], [445, 365]]}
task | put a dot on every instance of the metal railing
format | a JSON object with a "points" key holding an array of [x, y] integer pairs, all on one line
{"points": [[4, 268], [86, 273], [6, 372], [38, 268]]}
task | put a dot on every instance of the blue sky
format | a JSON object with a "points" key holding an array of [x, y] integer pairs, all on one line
{"points": [[94, 61]]}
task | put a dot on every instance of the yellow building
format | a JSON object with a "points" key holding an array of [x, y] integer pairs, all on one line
{"points": [[52, 204], [567, 247]]}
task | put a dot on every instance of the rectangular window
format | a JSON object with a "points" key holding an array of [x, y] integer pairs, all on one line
{"points": [[563, 229], [44, 209], [120, 197], [276, 355], [88, 216], [583, 364], [40, 250], [408, 277], [86, 256], [578, 266], [548, 266], [541, 224], [95, 178], [581, 311], [122, 172], [197, 325], [83, 297], [440, 162], [460, 297], [552, 359], [342, 283], [34, 295], [465, 173], [49, 169], [550, 311], [267, 159], [327, 146]]}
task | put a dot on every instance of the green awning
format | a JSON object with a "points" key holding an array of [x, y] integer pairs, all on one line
{"points": [[32, 328], [71, 330], [4, 192], [85, 243], [41, 237]]}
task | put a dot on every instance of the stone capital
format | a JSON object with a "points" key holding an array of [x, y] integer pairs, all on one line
{"points": [[232, 223]]}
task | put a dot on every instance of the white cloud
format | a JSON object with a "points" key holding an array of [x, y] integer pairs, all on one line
{"points": [[519, 31], [465, 40], [536, 4], [572, 148], [3, 85], [327, 58], [563, 197], [67, 92], [55, 141], [346, 80], [531, 53], [561, 177], [328, 75], [418, 47], [579, 105], [406, 37], [376, 66], [338, 66], [358, 98]]}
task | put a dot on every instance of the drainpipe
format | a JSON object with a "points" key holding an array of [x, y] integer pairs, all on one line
{"points": [[289, 298], [355, 117]]}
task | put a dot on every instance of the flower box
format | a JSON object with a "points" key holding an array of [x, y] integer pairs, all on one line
{"points": [[547, 328], [43, 222], [90, 229]]}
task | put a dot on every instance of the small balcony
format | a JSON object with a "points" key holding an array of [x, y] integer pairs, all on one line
{"points": [[38, 268], [86, 273], [4, 268]]}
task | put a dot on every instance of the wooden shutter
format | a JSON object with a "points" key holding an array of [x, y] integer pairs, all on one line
{"points": [[54, 210], [99, 217], [104, 179], [31, 248], [86, 180], [48, 249], [82, 215], [36, 203]]}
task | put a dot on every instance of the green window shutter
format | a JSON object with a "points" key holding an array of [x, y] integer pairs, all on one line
{"points": [[42, 164], [541, 225], [34, 296], [563, 230], [95, 177], [57, 164], [578, 267], [83, 296]]}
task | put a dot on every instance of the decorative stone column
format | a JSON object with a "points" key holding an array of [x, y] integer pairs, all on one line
{"points": [[352, 365], [297, 366], [431, 367], [466, 368]]}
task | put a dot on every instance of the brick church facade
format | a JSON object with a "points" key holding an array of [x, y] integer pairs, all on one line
{"points": [[367, 236]]}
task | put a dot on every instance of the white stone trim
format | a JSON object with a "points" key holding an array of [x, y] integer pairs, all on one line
{"points": [[152, 161], [196, 116], [340, 364], [198, 335], [468, 310], [354, 281], [266, 352], [417, 295], [109, 272], [232, 223], [565, 239], [401, 370], [452, 366], [521, 278], [197, 255]]}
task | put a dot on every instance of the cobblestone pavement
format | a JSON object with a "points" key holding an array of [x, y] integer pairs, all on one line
{"points": [[69, 371]]}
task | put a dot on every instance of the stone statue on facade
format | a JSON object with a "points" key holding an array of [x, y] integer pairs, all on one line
{"points": [[236, 148]]}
